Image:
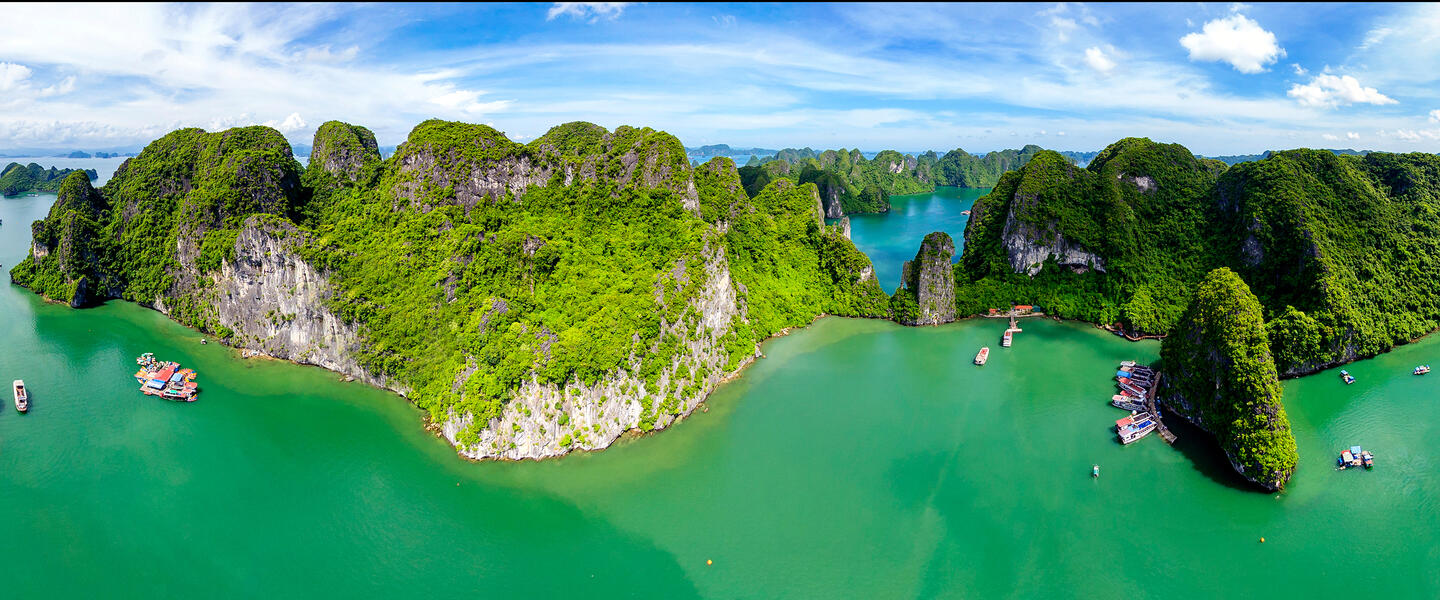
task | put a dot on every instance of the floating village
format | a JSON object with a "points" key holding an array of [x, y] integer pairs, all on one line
{"points": [[165, 379]]}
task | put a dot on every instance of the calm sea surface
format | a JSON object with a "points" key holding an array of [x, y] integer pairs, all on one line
{"points": [[858, 460], [894, 237]]}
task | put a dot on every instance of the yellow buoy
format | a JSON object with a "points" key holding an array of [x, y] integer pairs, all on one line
{"points": [[709, 562], [1262, 540]]}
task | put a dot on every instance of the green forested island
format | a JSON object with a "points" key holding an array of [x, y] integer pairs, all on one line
{"points": [[18, 179], [1221, 376], [532, 298]]}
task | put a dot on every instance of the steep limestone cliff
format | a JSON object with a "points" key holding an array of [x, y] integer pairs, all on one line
{"points": [[929, 282]]}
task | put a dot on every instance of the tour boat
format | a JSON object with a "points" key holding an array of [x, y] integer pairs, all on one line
{"points": [[22, 399], [1126, 402], [1134, 427], [1127, 363], [983, 356], [1422, 369], [1007, 339], [1345, 375], [1132, 388], [1345, 458], [1368, 458]]}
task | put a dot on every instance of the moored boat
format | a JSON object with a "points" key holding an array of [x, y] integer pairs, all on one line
{"points": [[1134, 427], [983, 356], [22, 397], [1345, 375], [1422, 369], [1127, 363]]}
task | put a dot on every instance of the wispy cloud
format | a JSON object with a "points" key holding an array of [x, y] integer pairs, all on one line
{"points": [[591, 11]]}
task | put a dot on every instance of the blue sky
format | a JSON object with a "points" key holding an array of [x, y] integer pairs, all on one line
{"points": [[1219, 78]]}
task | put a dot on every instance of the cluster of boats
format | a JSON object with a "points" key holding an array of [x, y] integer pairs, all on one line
{"points": [[1355, 457], [1134, 383], [165, 379]]}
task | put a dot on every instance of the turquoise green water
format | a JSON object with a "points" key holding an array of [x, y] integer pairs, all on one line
{"points": [[893, 237], [860, 459]]}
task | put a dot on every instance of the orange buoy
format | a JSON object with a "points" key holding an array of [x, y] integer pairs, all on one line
{"points": [[709, 562]]}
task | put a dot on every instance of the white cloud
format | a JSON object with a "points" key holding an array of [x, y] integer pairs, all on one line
{"points": [[1330, 136], [594, 11], [1095, 58], [13, 76], [1351, 135], [1435, 116], [1330, 90], [1235, 39], [1299, 70], [291, 124]]}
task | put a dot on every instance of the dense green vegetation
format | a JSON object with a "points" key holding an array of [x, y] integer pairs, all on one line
{"points": [[1218, 372], [473, 264], [182, 187], [1153, 241], [961, 169], [865, 185], [16, 179], [1340, 250]]}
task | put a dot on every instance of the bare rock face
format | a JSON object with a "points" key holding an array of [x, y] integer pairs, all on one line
{"points": [[343, 150], [1028, 247], [931, 278], [845, 227], [275, 301]]}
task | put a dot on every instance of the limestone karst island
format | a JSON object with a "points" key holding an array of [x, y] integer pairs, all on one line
{"points": [[720, 300]]}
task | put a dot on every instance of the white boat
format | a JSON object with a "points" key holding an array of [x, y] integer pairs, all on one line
{"points": [[983, 356], [1134, 427], [1127, 363], [22, 398]]}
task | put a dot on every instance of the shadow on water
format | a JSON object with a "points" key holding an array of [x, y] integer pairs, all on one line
{"points": [[1204, 453]]}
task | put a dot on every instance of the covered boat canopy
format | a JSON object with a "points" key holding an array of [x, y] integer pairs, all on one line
{"points": [[155, 384], [1355, 450]]}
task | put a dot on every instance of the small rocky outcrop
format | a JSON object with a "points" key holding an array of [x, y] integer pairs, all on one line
{"points": [[343, 150], [930, 280], [845, 227]]}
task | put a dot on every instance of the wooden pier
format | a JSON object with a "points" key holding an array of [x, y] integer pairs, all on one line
{"points": [[1153, 408]]}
